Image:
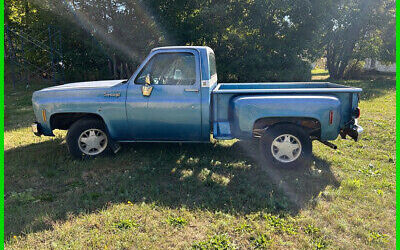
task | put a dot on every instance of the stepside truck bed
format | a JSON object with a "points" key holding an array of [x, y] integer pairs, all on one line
{"points": [[279, 99]]}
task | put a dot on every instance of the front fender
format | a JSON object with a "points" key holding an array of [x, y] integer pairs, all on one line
{"points": [[246, 110], [90, 101]]}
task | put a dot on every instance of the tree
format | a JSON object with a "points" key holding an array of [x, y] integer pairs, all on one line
{"points": [[358, 29], [261, 40]]}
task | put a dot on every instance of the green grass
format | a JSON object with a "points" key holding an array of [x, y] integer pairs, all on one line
{"points": [[201, 195], [319, 71], [319, 74]]}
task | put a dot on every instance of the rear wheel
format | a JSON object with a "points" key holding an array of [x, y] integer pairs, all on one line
{"points": [[88, 138], [286, 145]]}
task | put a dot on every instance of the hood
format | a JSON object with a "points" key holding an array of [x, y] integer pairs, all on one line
{"points": [[85, 85]]}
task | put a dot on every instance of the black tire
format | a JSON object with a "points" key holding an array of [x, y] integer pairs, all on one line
{"points": [[75, 131], [293, 133]]}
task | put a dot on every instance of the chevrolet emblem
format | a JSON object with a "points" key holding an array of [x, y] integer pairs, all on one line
{"points": [[116, 94]]}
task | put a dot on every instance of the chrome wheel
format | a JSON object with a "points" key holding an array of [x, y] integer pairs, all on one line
{"points": [[286, 148], [92, 141]]}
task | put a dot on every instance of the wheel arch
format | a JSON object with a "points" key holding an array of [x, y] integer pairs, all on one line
{"points": [[65, 120], [312, 125]]}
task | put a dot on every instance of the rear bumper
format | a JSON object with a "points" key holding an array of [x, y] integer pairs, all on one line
{"points": [[36, 129], [354, 132]]}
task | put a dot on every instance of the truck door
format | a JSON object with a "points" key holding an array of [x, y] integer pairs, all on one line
{"points": [[170, 82]]}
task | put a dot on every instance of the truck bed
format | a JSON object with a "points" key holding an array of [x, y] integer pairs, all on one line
{"points": [[301, 95]]}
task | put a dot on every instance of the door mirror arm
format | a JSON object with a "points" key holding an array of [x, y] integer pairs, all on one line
{"points": [[147, 79]]}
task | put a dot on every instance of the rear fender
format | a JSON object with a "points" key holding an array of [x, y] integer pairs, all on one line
{"points": [[246, 110]]}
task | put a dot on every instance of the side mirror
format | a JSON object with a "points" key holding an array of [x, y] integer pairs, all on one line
{"points": [[147, 79], [147, 88]]}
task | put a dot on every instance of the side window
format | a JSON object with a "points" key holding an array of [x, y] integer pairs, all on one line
{"points": [[169, 69], [213, 66]]}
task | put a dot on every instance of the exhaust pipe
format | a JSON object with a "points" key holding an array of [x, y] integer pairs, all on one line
{"points": [[326, 143]]}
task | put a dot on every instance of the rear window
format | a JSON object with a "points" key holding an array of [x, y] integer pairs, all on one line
{"points": [[211, 63]]}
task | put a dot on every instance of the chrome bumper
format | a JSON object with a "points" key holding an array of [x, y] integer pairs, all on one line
{"points": [[354, 132], [36, 129], [358, 131]]}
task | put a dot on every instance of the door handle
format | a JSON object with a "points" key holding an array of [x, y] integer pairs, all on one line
{"points": [[191, 90]]}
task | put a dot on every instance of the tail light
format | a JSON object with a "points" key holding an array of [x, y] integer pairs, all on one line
{"points": [[357, 113], [330, 117]]}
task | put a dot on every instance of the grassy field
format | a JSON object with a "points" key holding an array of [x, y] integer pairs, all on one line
{"points": [[319, 74], [201, 195]]}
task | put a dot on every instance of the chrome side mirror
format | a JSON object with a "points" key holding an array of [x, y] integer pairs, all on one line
{"points": [[147, 88]]}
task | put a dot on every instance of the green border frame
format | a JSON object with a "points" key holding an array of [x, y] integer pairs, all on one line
{"points": [[2, 124], [397, 122]]}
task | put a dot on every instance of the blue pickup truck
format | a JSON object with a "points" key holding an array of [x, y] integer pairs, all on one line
{"points": [[174, 96]]}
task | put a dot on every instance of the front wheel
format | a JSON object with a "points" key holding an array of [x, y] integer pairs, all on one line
{"points": [[286, 145], [88, 138]]}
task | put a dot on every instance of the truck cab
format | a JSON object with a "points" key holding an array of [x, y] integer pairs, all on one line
{"points": [[178, 106]]}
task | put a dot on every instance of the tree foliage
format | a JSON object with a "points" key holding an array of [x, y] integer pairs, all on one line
{"points": [[359, 29], [254, 40]]}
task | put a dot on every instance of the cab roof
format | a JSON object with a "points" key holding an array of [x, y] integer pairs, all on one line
{"points": [[184, 47]]}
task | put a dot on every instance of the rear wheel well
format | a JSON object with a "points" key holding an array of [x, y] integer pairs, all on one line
{"points": [[65, 120], [312, 125]]}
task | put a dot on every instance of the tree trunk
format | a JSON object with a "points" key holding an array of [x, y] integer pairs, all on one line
{"points": [[341, 44], [110, 68], [27, 12], [115, 66], [128, 71], [373, 64]]}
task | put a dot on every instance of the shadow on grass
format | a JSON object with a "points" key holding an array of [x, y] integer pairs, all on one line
{"points": [[44, 184]]}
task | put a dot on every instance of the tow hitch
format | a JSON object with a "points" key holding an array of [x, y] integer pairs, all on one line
{"points": [[354, 132]]}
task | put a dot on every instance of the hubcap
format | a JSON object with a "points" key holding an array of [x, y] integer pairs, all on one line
{"points": [[92, 141], [286, 148]]}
